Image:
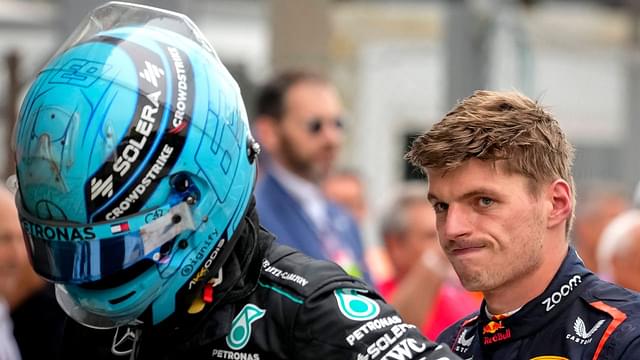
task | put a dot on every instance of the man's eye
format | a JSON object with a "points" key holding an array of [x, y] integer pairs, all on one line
{"points": [[440, 207], [485, 202]]}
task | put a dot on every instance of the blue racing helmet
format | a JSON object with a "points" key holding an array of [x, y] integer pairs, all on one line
{"points": [[135, 165]]}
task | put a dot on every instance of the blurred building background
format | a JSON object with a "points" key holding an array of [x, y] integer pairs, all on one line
{"points": [[399, 66]]}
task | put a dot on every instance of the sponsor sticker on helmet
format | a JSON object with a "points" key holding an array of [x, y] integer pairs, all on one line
{"points": [[150, 147], [355, 306]]}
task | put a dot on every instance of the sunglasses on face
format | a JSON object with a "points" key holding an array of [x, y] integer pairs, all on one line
{"points": [[316, 124]]}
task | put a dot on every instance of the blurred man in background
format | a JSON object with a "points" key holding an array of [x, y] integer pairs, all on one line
{"points": [[10, 260], [424, 288], [598, 205], [619, 250], [299, 123]]}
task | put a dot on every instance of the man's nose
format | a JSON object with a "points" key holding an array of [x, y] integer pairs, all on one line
{"points": [[332, 133], [456, 223]]}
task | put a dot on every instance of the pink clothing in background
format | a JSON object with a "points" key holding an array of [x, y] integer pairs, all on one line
{"points": [[452, 303]]}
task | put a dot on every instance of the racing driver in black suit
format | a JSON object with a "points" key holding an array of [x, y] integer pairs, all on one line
{"points": [[499, 169]]}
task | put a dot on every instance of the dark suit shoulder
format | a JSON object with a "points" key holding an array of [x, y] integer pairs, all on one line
{"points": [[304, 275], [623, 307]]}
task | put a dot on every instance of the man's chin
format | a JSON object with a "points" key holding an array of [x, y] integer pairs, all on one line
{"points": [[471, 281], [471, 285], [319, 173]]}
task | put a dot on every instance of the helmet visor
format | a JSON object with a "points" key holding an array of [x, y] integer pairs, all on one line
{"points": [[72, 253], [116, 14]]}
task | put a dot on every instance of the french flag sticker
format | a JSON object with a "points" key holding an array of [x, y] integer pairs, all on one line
{"points": [[119, 228]]}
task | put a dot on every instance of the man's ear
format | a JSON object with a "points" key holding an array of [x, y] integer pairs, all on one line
{"points": [[561, 199], [265, 128]]}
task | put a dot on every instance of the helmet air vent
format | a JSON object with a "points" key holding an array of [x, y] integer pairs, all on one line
{"points": [[120, 299]]}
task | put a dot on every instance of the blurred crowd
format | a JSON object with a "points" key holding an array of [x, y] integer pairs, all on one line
{"points": [[312, 204]]}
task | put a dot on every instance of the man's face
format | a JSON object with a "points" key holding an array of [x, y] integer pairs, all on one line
{"points": [[420, 234], [12, 252], [490, 225], [309, 135]]}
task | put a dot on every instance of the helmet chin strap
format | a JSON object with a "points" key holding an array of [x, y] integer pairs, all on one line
{"points": [[125, 340]]}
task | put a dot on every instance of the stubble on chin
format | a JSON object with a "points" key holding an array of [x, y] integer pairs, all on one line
{"points": [[505, 269], [483, 279]]}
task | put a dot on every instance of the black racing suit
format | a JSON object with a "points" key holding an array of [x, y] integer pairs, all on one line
{"points": [[579, 316], [296, 308]]}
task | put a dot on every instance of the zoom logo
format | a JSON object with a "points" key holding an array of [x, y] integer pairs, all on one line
{"points": [[565, 290]]}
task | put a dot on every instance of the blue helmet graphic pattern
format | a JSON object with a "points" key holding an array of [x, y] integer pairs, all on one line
{"points": [[134, 165]]}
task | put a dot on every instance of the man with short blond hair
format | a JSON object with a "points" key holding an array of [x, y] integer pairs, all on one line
{"points": [[499, 170]]}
